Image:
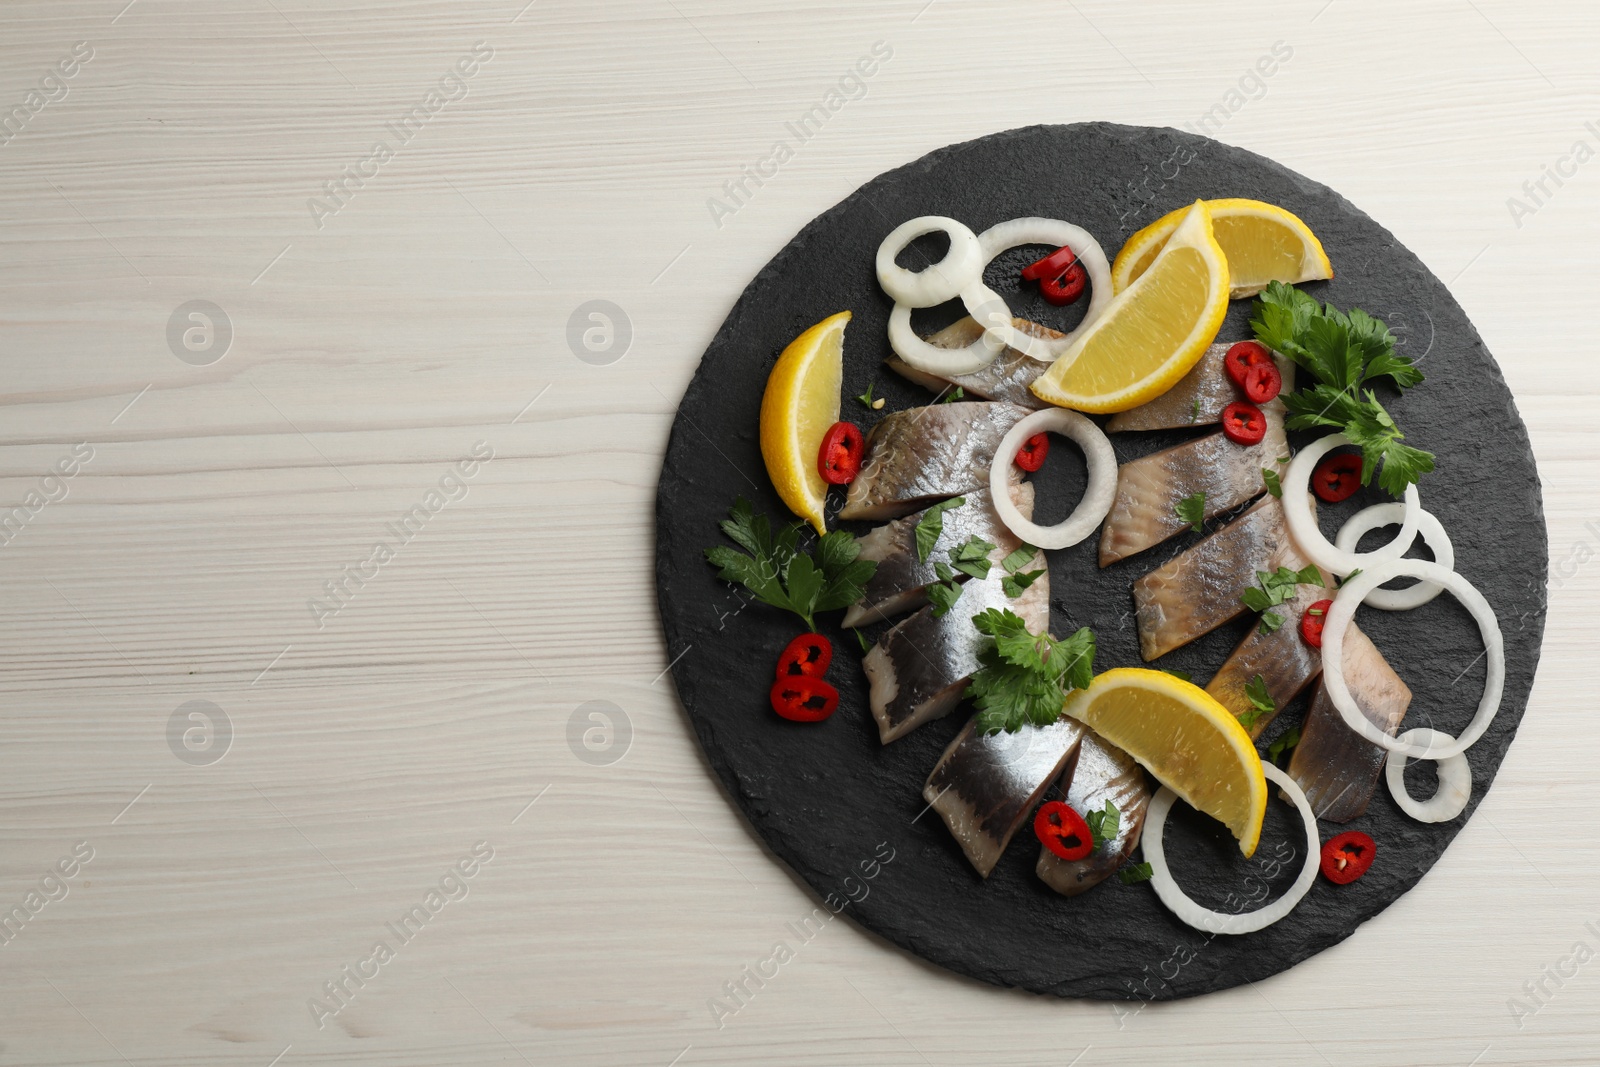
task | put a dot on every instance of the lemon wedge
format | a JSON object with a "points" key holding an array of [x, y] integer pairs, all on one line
{"points": [[800, 404], [1263, 243], [1152, 332], [1185, 738]]}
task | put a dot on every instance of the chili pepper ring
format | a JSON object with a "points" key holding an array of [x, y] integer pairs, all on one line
{"points": [[1217, 922], [1432, 531], [1097, 495], [1455, 781], [1351, 594], [1303, 524]]}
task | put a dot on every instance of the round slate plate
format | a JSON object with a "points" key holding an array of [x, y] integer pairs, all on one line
{"points": [[846, 813]]}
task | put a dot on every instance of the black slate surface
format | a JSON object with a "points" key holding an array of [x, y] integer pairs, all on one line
{"points": [[832, 803]]}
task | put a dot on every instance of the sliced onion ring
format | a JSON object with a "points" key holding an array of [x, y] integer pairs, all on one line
{"points": [[1432, 531], [1216, 922], [1337, 621], [1053, 232], [1097, 495], [981, 303], [1303, 524], [1455, 781], [961, 266]]}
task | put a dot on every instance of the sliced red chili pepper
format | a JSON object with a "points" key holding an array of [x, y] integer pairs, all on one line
{"points": [[1030, 457], [1312, 622], [839, 458], [1262, 382], [1243, 423], [1069, 837], [1347, 857], [801, 698], [1060, 276], [1337, 477], [808, 654], [1242, 356]]}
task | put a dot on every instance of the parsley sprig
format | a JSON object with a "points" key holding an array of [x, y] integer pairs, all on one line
{"points": [[1344, 352], [779, 574], [1192, 510], [1025, 678], [1013, 583]]}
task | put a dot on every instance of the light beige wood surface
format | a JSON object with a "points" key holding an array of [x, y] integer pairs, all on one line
{"points": [[430, 713]]}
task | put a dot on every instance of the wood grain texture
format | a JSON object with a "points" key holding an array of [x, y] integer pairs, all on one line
{"points": [[371, 354]]}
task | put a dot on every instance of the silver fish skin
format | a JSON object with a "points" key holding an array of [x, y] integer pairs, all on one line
{"points": [[1198, 589], [1007, 378], [1102, 772], [922, 455], [986, 786], [901, 581], [1150, 487], [1337, 767], [1197, 399], [921, 667]]}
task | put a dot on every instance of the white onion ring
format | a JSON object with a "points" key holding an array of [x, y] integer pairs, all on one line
{"points": [[1337, 621], [961, 266], [1216, 922], [1097, 495], [1455, 781], [1054, 232], [1432, 531], [1303, 525], [946, 362]]}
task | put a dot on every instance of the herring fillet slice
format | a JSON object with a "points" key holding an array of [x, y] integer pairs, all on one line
{"points": [[920, 668], [901, 580], [1335, 766], [1149, 488], [1101, 772], [1197, 399], [1007, 378], [986, 786], [921, 455], [1283, 659], [1198, 589]]}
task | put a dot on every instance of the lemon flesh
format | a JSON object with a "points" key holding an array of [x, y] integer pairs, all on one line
{"points": [[1263, 243], [1184, 737], [800, 404], [1152, 332]]}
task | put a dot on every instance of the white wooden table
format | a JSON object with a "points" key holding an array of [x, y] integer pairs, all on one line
{"points": [[358, 742]]}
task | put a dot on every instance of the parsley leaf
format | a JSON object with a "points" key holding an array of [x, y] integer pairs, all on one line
{"points": [[1024, 678], [1182, 676], [1261, 702], [1284, 744], [1192, 510], [1014, 584], [953, 395], [1270, 479], [1270, 621], [972, 558], [1103, 825], [1194, 412], [945, 592], [1278, 587], [1022, 555], [778, 574], [1134, 873], [866, 398], [1343, 352], [931, 525]]}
